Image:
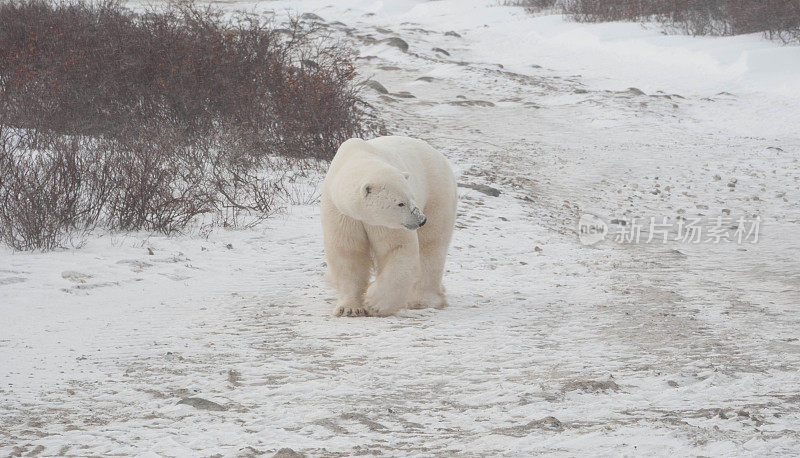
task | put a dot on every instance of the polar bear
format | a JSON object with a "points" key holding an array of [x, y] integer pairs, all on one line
{"points": [[388, 207]]}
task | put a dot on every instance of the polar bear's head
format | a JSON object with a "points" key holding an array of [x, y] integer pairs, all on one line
{"points": [[388, 201]]}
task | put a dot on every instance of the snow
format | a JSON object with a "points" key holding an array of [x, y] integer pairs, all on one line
{"points": [[615, 56], [651, 349]]}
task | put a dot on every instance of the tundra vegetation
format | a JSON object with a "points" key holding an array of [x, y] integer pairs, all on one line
{"points": [[160, 119], [776, 19]]}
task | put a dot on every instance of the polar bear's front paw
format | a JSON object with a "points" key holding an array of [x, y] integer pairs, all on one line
{"points": [[380, 303], [350, 310], [424, 301], [374, 309]]}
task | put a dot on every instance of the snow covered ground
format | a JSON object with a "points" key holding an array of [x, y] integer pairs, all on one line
{"points": [[548, 346]]}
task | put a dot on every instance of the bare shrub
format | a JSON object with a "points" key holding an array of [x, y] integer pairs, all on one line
{"points": [[98, 69], [42, 203], [55, 188], [600, 10], [533, 6], [145, 121], [777, 19], [155, 185]]}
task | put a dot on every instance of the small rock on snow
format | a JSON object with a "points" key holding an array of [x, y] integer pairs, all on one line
{"points": [[287, 453], [590, 386], [311, 17], [397, 43], [488, 190], [404, 95], [546, 423], [472, 103], [378, 87], [202, 404]]}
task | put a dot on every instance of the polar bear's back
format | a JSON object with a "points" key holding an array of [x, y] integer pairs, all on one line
{"points": [[430, 175], [396, 147], [416, 157]]}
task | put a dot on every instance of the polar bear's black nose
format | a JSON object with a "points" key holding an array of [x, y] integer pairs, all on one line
{"points": [[424, 220]]}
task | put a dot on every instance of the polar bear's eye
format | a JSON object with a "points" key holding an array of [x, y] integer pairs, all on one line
{"points": [[401, 204]]}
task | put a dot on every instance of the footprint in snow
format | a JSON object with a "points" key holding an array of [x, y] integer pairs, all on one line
{"points": [[75, 276], [135, 264], [12, 280]]}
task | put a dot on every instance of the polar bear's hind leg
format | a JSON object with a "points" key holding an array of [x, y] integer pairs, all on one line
{"points": [[434, 240], [429, 292]]}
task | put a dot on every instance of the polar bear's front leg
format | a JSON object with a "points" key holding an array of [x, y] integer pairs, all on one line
{"points": [[348, 272], [349, 262], [397, 257]]}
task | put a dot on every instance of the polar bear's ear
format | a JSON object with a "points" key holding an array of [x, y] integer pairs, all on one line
{"points": [[406, 175], [366, 189]]}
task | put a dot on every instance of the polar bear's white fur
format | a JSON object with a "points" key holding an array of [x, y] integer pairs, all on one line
{"points": [[388, 207]]}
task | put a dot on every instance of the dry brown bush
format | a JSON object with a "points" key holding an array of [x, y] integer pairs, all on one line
{"points": [[145, 121], [42, 198], [533, 6], [55, 188], [777, 19]]}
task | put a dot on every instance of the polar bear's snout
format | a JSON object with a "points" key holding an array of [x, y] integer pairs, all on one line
{"points": [[419, 219]]}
